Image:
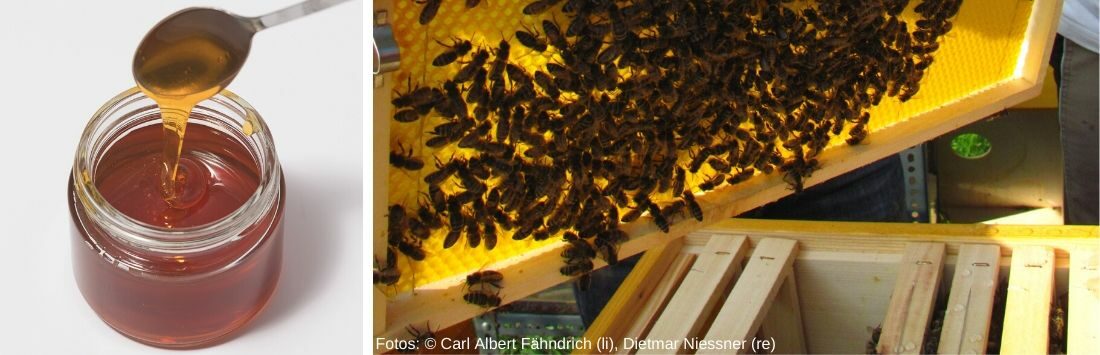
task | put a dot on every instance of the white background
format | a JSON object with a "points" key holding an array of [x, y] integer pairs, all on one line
{"points": [[61, 60]]}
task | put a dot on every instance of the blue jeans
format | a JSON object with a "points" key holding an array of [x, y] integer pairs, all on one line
{"points": [[873, 193], [1077, 106]]}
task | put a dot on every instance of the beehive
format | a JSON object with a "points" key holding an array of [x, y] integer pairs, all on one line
{"points": [[823, 287], [992, 59]]}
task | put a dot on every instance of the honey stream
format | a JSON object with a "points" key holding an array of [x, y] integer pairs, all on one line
{"points": [[179, 66]]}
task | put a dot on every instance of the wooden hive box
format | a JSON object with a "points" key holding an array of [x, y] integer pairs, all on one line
{"points": [[822, 287], [994, 58]]}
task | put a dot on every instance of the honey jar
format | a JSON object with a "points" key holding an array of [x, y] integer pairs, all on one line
{"points": [[191, 272]]}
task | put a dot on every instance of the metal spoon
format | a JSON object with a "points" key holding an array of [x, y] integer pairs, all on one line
{"points": [[198, 51]]}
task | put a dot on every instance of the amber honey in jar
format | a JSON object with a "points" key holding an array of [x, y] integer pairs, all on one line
{"points": [[194, 271]]}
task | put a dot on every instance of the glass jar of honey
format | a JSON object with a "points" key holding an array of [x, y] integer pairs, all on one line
{"points": [[191, 272]]}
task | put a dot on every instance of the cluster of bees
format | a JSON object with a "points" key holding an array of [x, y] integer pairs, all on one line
{"points": [[645, 101]]}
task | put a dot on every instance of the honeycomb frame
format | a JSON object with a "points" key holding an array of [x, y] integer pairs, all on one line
{"points": [[960, 87]]}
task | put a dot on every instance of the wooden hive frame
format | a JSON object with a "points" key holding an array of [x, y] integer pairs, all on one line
{"points": [[854, 276], [537, 269]]}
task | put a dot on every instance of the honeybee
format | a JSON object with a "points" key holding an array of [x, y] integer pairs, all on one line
{"points": [[496, 70], [554, 35], [488, 277], [741, 176], [608, 251], [420, 337], [406, 115], [539, 6], [490, 235], [413, 250], [466, 73], [456, 49], [402, 159], [473, 233], [483, 299], [797, 168], [547, 84], [452, 237], [712, 182], [578, 248], [387, 274], [431, 7], [418, 229], [530, 38], [581, 266], [396, 224], [658, 219], [692, 205]]}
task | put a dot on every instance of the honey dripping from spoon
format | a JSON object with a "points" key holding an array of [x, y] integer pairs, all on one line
{"points": [[188, 57]]}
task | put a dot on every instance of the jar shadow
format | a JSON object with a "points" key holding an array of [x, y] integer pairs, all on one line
{"points": [[312, 240]]}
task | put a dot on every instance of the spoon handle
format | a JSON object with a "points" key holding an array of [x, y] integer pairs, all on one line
{"points": [[291, 12]]}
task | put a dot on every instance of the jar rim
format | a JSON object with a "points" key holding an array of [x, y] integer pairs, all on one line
{"points": [[178, 240]]}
